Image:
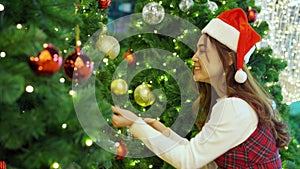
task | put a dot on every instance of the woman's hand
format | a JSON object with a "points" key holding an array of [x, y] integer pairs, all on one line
{"points": [[122, 117], [157, 125]]}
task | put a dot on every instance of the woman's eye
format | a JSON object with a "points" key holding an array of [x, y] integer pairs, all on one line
{"points": [[201, 51]]}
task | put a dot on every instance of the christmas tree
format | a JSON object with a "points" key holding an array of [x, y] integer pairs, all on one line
{"points": [[55, 109]]}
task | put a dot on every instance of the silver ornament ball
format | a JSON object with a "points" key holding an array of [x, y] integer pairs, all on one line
{"points": [[185, 5], [212, 6], [153, 13]]}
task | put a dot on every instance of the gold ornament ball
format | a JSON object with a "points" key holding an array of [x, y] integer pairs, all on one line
{"points": [[108, 45], [119, 87], [143, 95]]}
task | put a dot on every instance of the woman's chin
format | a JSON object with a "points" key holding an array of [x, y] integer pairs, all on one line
{"points": [[199, 79], [196, 79]]}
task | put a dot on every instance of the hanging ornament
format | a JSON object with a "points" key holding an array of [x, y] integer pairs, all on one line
{"points": [[119, 87], [185, 5], [78, 66], [121, 150], [103, 4], [130, 57], [48, 61], [108, 45], [2, 165], [143, 96], [153, 13], [252, 14], [212, 6]]}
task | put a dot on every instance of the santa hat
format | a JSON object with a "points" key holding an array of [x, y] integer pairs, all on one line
{"points": [[231, 28]]}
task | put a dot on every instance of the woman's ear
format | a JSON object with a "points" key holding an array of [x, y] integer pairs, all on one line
{"points": [[231, 57]]}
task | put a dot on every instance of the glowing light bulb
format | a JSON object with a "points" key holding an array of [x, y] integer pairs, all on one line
{"points": [[105, 60], [1, 7], [62, 80], [29, 89], [2, 54], [72, 92], [78, 43], [55, 165], [88, 142], [19, 26], [64, 126]]}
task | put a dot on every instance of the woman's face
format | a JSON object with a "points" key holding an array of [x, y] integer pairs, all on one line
{"points": [[207, 64]]}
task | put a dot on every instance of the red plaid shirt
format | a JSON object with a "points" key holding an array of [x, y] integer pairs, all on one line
{"points": [[259, 151]]}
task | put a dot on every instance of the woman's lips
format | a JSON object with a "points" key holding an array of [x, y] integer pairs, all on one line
{"points": [[197, 68]]}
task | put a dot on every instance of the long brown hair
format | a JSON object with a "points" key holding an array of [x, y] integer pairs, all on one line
{"points": [[250, 91]]}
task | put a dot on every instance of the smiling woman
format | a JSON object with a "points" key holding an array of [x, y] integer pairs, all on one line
{"points": [[241, 130], [208, 66], [39, 114]]}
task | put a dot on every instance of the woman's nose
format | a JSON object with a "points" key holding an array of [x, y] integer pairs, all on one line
{"points": [[195, 58]]}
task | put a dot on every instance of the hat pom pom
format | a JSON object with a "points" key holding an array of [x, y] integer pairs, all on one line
{"points": [[240, 76]]}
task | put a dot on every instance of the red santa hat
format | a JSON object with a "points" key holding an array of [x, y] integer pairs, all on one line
{"points": [[232, 29]]}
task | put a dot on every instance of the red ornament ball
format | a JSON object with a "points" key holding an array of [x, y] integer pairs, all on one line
{"points": [[103, 4], [2, 165], [121, 150], [252, 15], [130, 57], [78, 66], [48, 61]]}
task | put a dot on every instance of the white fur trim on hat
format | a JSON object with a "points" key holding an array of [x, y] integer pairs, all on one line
{"points": [[223, 32], [240, 76], [248, 54]]}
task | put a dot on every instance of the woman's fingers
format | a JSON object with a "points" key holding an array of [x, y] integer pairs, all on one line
{"points": [[149, 120], [116, 110], [120, 121], [122, 117], [116, 120], [157, 125]]}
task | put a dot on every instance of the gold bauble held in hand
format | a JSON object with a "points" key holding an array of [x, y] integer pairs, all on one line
{"points": [[143, 95]]}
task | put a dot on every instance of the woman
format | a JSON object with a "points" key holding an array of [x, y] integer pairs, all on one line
{"points": [[241, 130]]}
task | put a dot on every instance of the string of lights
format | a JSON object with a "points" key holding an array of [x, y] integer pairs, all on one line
{"points": [[283, 37]]}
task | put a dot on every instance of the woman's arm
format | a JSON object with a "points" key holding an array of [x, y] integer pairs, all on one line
{"points": [[232, 121]]}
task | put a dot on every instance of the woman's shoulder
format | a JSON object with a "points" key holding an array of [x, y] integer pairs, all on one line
{"points": [[234, 105], [231, 100]]}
